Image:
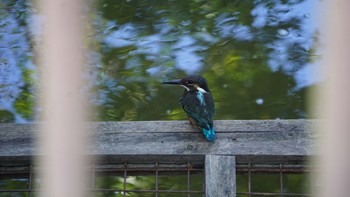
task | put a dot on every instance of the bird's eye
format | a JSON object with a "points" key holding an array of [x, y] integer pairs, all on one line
{"points": [[189, 81]]}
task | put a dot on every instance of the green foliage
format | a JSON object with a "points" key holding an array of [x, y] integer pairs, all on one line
{"points": [[292, 183], [24, 105], [6, 116]]}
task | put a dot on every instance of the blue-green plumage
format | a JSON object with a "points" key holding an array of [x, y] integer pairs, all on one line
{"points": [[198, 103]]}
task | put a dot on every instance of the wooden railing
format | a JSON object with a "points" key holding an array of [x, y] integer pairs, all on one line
{"points": [[284, 141]]}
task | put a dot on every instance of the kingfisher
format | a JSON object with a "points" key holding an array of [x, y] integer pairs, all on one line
{"points": [[198, 103]]}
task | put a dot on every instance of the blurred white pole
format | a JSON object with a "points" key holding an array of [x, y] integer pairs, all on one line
{"points": [[335, 145], [62, 135]]}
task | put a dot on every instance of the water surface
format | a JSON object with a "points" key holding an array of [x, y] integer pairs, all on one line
{"points": [[259, 57]]}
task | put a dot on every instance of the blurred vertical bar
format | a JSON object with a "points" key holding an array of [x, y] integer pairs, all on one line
{"points": [[334, 146], [62, 140]]}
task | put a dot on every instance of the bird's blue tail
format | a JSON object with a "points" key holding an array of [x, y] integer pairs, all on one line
{"points": [[209, 134]]}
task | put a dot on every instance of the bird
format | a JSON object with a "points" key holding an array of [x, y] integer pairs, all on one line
{"points": [[198, 103]]}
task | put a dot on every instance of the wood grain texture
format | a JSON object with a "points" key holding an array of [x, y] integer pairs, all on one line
{"points": [[241, 138], [220, 176]]}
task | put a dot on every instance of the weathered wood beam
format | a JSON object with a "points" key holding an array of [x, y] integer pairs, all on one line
{"points": [[245, 139], [220, 176]]}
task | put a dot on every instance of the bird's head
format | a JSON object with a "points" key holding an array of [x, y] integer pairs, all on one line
{"points": [[191, 83]]}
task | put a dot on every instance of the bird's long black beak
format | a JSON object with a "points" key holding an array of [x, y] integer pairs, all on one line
{"points": [[175, 81]]}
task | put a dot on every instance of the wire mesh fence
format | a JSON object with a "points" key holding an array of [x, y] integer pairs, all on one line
{"points": [[117, 180], [277, 179], [156, 179], [17, 180], [168, 180]]}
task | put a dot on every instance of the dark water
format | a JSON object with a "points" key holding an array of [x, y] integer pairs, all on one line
{"points": [[259, 57]]}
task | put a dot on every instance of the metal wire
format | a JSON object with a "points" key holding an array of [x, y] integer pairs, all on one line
{"points": [[281, 179], [250, 179], [156, 179], [93, 178], [30, 179], [188, 179], [271, 194], [125, 174]]}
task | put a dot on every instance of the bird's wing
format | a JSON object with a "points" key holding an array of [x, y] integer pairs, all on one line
{"points": [[202, 115]]}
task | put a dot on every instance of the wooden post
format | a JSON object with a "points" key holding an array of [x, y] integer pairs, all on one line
{"points": [[220, 176]]}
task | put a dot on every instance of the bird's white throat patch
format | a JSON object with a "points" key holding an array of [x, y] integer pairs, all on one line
{"points": [[201, 90]]}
